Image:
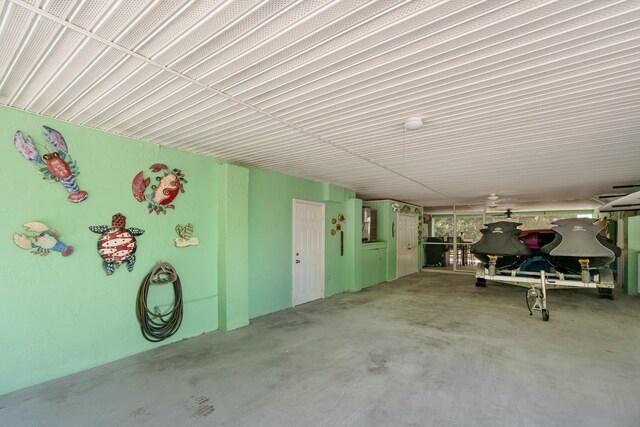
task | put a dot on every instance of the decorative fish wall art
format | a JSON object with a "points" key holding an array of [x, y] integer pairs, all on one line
{"points": [[43, 241], [186, 236], [160, 197], [117, 244], [56, 165]]}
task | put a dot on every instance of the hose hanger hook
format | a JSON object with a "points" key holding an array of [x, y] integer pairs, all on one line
{"points": [[155, 325]]}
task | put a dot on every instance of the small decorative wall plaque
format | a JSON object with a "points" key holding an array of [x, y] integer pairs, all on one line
{"points": [[186, 236], [160, 197], [56, 165], [42, 240], [117, 244], [337, 223]]}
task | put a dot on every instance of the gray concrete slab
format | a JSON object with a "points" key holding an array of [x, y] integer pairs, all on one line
{"points": [[426, 350]]}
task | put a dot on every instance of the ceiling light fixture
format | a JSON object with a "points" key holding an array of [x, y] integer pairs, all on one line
{"points": [[413, 123]]}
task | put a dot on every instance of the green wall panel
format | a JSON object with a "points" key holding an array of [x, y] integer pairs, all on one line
{"points": [[387, 228], [61, 315], [271, 198], [353, 245], [233, 272], [335, 263], [633, 247], [387, 231], [374, 261], [333, 193]]}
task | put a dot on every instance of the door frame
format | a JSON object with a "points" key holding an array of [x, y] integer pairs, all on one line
{"points": [[293, 246], [398, 244]]}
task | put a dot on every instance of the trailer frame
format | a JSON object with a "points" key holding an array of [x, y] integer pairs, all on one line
{"points": [[538, 283]]}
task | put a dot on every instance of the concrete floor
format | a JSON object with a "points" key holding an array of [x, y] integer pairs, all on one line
{"points": [[426, 350]]}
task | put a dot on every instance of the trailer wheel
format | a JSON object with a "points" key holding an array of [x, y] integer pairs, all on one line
{"points": [[481, 283], [545, 315], [605, 293]]}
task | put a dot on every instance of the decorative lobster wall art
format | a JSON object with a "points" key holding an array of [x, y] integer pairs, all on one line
{"points": [[56, 165], [160, 197], [43, 241], [117, 244]]}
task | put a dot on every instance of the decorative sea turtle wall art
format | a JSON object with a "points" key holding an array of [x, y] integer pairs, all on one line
{"points": [[186, 236], [43, 241], [56, 165], [117, 244], [160, 197]]}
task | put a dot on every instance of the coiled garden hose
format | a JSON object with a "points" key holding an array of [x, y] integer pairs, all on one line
{"points": [[154, 325]]}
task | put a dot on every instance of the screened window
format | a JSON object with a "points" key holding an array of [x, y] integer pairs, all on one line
{"points": [[468, 227], [443, 226], [543, 221]]}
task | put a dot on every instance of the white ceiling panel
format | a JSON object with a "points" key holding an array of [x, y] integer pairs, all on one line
{"points": [[172, 90], [130, 89], [535, 100]]}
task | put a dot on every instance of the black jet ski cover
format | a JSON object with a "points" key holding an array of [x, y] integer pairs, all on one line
{"points": [[579, 238], [502, 240]]}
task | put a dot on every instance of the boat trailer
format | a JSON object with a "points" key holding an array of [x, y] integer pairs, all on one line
{"points": [[538, 283]]}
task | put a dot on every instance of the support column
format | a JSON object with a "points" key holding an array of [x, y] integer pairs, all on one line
{"points": [[353, 245], [233, 253], [633, 248]]}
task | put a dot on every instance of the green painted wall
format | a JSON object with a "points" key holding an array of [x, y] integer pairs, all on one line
{"points": [[374, 263], [353, 246], [233, 259], [388, 232], [241, 269], [632, 225], [386, 221], [61, 315], [271, 198]]}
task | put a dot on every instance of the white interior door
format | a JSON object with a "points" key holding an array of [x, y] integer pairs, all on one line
{"points": [[308, 251], [408, 245]]}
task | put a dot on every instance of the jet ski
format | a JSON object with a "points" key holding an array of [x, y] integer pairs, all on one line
{"points": [[535, 239], [501, 239], [578, 247]]}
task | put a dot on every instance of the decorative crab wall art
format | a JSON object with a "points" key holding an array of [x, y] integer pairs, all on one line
{"points": [[160, 197], [54, 166], [43, 241], [117, 244]]}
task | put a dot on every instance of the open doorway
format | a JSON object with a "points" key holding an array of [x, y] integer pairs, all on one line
{"points": [[447, 248]]}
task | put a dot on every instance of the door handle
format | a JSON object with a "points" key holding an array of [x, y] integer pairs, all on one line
{"points": [[297, 261]]}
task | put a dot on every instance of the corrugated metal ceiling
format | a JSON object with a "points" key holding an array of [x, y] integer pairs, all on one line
{"points": [[533, 100]]}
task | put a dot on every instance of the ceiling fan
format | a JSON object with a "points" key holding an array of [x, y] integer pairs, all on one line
{"points": [[494, 201], [491, 202]]}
